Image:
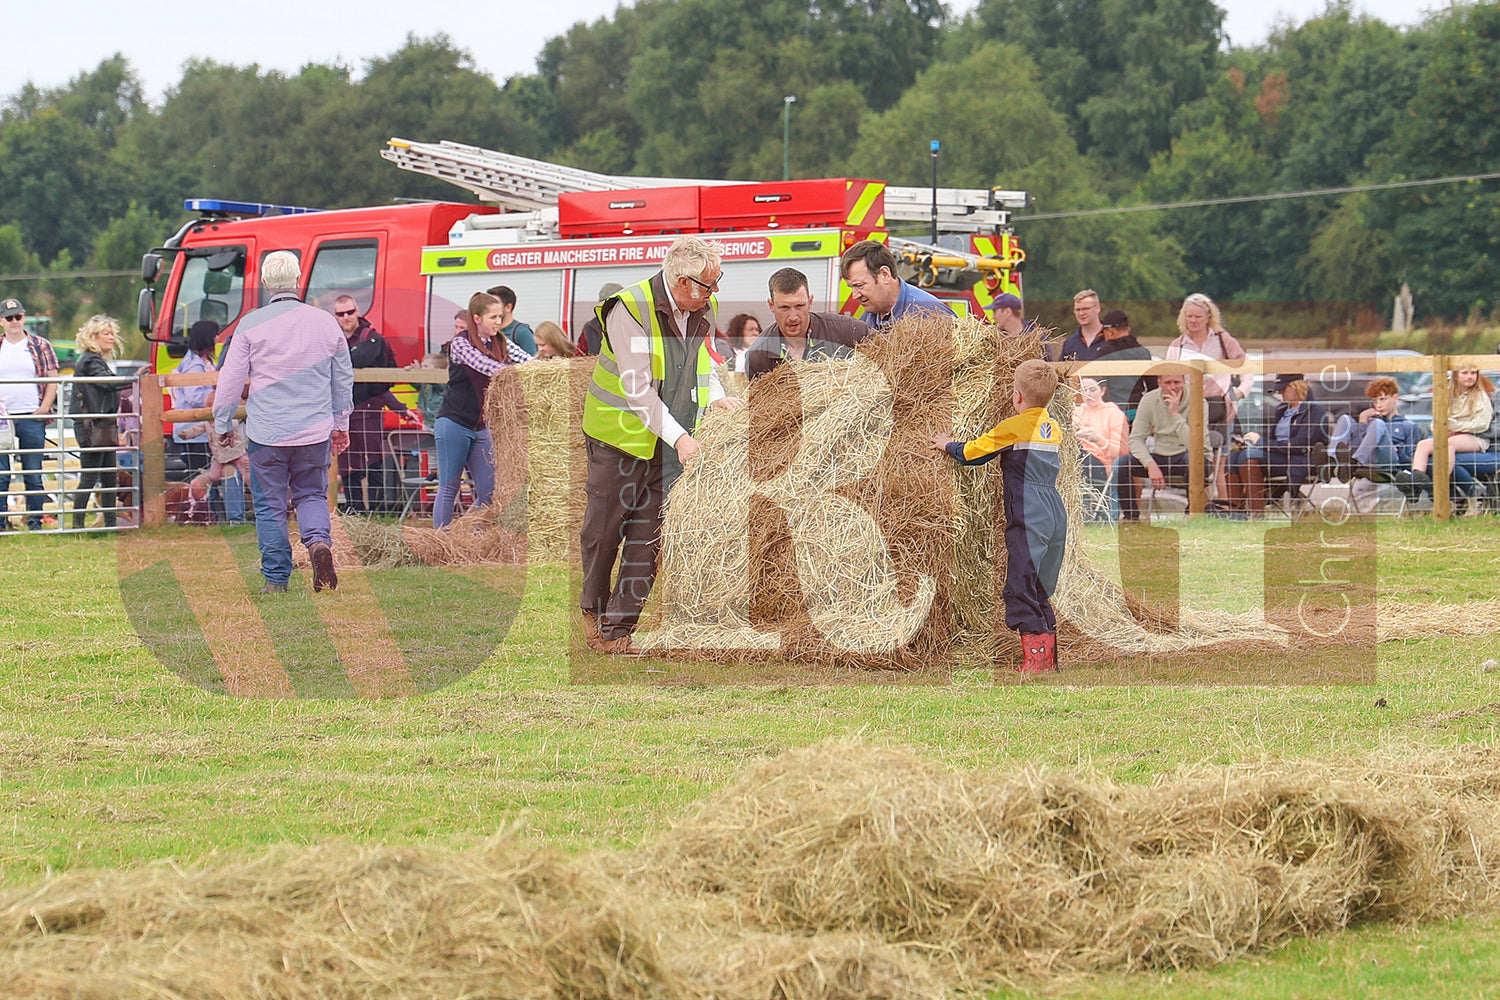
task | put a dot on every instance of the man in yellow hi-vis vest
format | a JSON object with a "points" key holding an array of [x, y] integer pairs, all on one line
{"points": [[652, 385]]}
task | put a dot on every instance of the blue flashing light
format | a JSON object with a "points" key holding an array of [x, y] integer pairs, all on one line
{"points": [[218, 206], [935, 145]]}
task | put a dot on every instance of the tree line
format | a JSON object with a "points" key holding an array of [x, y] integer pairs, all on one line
{"points": [[1087, 104]]}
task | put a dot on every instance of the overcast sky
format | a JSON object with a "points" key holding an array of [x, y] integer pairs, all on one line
{"points": [[47, 43]]}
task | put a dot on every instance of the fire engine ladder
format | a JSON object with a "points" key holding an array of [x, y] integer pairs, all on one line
{"points": [[514, 182], [521, 184], [928, 266]]}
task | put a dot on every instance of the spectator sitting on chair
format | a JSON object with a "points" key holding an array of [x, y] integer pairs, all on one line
{"points": [[1292, 448], [1162, 415], [1386, 439], [1103, 435], [1469, 412]]}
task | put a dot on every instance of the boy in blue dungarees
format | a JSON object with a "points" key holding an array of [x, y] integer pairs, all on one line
{"points": [[1036, 525]]}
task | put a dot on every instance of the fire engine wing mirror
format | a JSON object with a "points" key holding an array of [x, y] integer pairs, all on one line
{"points": [[217, 282], [145, 308], [150, 267]]}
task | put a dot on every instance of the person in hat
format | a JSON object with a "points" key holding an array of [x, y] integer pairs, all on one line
{"points": [[1292, 446], [1005, 313], [1125, 391], [24, 357], [593, 330]]}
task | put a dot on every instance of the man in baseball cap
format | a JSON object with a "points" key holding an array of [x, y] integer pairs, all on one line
{"points": [[1124, 391], [25, 356]]}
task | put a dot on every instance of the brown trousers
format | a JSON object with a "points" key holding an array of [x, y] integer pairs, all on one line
{"points": [[622, 518], [1247, 485]]}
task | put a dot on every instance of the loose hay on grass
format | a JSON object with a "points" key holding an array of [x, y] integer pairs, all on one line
{"points": [[837, 871]]}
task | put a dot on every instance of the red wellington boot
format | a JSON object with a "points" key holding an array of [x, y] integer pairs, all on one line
{"points": [[1039, 653]]}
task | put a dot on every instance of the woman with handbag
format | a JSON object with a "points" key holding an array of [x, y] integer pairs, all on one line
{"points": [[98, 435], [1201, 335]]}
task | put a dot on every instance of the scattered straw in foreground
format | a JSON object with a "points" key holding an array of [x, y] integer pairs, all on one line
{"points": [[841, 870]]}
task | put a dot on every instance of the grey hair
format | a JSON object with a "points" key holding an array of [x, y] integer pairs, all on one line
{"points": [[690, 256], [280, 270]]}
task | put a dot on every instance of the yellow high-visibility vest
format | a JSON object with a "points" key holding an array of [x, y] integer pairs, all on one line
{"points": [[606, 415]]}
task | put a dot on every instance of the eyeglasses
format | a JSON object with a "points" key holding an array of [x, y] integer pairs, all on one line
{"points": [[346, 312], [15, 319], [706, 286]]}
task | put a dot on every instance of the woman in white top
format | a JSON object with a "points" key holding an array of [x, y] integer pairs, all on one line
{"points": [[1469, 411]]}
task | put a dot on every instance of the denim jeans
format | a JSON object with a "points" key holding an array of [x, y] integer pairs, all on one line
{"points": [[30, 434], [458, 448], [1095, 474], [280, 477]]}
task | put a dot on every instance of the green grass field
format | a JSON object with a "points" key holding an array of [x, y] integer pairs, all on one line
{"points": [[109, 759]]}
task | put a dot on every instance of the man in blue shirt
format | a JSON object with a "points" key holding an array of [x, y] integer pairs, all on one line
{"points": [[1085, 343], [869, 269]]}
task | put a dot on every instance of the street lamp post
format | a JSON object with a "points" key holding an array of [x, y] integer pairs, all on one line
{"points": [[786, 136], [934, 146]]}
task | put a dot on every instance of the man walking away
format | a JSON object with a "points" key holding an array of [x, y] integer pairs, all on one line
{"points": [[297, 417]]}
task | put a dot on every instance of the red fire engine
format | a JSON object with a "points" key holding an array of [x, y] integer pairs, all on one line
{"points": [[556, 235]]}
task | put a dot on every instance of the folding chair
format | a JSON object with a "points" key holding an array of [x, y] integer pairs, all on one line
{"points": [[406, 447]]}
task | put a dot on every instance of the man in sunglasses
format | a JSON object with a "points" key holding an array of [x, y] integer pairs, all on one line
{"points": [[359, 465], [652, 385]]}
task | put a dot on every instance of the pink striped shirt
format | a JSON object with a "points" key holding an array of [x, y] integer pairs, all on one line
{"points": [[301, 382]]}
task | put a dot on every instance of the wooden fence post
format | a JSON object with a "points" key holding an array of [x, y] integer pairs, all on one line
{"points": [[1197, 487], [153, 469], [1442, 507]]}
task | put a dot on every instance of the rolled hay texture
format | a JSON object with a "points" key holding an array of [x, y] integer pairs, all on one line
{"points": [[834, 872], [817, 525]]}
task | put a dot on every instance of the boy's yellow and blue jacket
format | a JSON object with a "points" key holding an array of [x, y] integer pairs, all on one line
{"points": [[1029, 446], [1030, 432]]}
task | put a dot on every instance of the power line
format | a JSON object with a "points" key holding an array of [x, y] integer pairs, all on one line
{"points": [[1243, 199], [44, 275]]}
